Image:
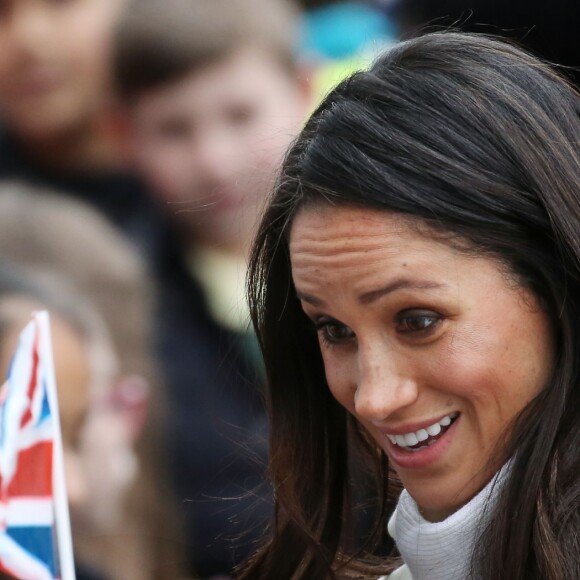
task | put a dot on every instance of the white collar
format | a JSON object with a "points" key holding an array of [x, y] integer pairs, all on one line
{"points": [[442, 550]]}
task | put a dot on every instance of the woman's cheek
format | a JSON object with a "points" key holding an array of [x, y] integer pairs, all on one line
{"points": [[339, 377]]}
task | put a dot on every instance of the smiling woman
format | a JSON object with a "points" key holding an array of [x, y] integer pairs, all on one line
{"points": [[415, 288], [415, 349]]}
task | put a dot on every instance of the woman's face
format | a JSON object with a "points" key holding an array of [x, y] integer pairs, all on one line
{"points": [[433, 351]]}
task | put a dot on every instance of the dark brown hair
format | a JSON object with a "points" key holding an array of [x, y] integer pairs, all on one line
{"points": [[479, 140], [160, 41]]}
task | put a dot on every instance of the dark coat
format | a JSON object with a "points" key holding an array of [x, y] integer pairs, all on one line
{"points": [[217, 427]]}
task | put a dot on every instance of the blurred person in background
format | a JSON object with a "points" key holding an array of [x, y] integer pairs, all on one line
{"points": [[548, 29], [57, 122], [213, 97], [79, 343], [130, 528]]}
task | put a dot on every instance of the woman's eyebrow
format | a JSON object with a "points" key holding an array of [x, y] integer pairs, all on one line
{"points": [[314, 300], [373, 295], [399, 284]]}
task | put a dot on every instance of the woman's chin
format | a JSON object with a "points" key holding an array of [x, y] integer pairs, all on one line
{"points": [[439, 498]]}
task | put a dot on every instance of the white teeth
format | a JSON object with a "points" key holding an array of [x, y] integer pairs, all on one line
{"points": [[422, 435], [411, 439], [401, 440], [434, 429]]}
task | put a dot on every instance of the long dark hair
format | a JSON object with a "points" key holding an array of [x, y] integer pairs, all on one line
{"points": [[481, 141]]}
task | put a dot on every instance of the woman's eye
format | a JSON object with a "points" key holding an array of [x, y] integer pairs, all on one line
{"points": [[333, 332], [417, 321]]}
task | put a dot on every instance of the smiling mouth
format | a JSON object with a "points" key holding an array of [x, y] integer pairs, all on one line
{"points": [[423, 438]]}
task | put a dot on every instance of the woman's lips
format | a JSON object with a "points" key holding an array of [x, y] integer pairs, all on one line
{"points": [[423, 455]]}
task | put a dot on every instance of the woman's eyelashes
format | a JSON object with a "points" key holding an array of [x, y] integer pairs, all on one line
{"points": [[416, 323], [331, 331]]}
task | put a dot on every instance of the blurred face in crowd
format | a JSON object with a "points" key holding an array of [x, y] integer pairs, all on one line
{"points": [[72, 371], [433, 351], [209, 144], [54, 60], [73, 376]]}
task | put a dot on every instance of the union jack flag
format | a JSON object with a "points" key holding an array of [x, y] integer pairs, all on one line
{"points": [[34, 525]]}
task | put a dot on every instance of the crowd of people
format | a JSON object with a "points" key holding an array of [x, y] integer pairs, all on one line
{"points": [[140, 141]]}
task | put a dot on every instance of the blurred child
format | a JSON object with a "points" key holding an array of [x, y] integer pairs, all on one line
{"points": [[56, 122], [213, 97], [130, 529], [77, 336]]}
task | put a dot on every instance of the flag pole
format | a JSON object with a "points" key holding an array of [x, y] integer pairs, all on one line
{"points": [[62, 518]]}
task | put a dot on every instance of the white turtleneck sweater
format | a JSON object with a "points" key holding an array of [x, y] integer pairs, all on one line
{"points": [[441, 550]]}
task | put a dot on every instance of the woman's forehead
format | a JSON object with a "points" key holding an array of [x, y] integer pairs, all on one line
{"points": [[360, 247], [326, 229], [363, 252]]}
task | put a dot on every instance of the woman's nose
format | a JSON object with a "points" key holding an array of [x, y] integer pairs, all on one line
{"points": [[383, 387]]}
